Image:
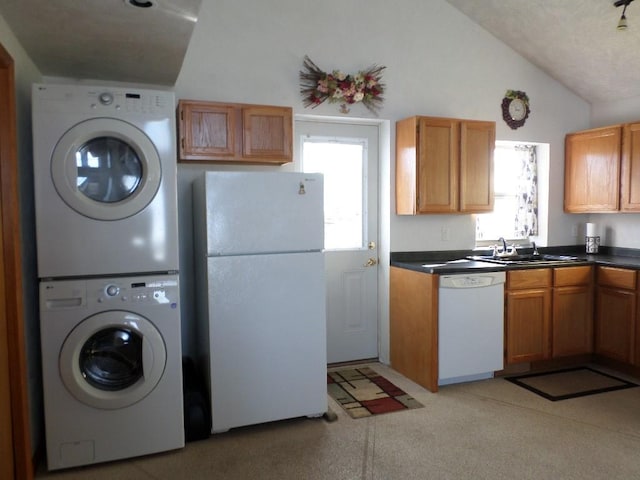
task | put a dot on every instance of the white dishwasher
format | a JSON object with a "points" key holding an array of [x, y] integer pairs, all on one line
{"points": [[470, 326]]}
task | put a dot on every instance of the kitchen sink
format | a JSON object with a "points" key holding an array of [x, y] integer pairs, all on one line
{"points": [[526, 259]]}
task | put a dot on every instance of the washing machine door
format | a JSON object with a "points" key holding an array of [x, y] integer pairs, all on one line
{"points": [[106, 169], [112, 359]]}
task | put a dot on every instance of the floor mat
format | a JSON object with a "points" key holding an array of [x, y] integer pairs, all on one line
{"points": [[570, 383], [363, 392]]}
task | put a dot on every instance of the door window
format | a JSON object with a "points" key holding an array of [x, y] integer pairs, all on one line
{"points": [[342, 163], [109, 170]]}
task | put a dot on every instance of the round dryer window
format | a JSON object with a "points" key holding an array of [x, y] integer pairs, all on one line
{"points": [[112, 359], [106, 169]]}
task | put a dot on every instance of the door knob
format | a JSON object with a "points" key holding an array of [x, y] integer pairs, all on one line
{"points": [[371, 262]]}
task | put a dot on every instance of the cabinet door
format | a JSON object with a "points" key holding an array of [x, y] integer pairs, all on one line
{"points": [[630, 175], [477, 143], [527, 328], [406, 162], [207, 131], [615, 323], [572, 321], [267, 134], [592, 170], [438, 160], [413, 326]]}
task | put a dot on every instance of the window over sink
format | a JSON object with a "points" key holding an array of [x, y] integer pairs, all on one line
{"points": [[515, 214]]}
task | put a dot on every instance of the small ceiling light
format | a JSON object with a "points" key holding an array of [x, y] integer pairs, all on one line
{"points": [[622, 24], [147, 4]]}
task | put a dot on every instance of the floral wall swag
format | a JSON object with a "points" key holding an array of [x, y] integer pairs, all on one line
{"points": [[317, 87]]}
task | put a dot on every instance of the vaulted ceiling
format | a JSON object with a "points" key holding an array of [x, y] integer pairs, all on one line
{"points": [[574, 41]]}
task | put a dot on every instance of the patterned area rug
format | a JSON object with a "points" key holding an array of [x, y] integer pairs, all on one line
{"points": [[570, 383], [363, 392]]}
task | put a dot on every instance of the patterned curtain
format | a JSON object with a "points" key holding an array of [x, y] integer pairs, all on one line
{"points": [[526, 221]]}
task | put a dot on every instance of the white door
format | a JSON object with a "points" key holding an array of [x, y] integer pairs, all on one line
{"points": [[347, 155]]}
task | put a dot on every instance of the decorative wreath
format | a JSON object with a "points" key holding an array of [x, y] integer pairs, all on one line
{"points": [[317, 87]]}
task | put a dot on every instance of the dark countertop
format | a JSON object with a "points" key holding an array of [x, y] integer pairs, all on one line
{"points": [[454, 261]]}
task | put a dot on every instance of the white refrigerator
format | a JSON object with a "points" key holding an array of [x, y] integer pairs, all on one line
{"points": [[260, 280]]}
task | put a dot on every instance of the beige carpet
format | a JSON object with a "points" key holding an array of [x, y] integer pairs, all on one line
{"points": [[570, 383]]}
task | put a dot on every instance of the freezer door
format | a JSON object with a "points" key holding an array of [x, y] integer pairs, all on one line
{"points": [[256, 212], [267, 318]]}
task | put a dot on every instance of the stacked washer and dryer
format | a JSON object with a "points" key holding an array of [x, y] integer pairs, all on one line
{"points": [[107, 243]]}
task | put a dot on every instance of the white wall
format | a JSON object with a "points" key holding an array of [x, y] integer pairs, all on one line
{"points": [[25, 74], [438, 63]]}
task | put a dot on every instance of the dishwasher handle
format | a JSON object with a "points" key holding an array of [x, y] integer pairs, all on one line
{"points": [[475, 280]]}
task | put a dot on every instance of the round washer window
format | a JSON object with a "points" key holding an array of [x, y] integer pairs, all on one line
{"points": [[109, 170], [112, 359]]}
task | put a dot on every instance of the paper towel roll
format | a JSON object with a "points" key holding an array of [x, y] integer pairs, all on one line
{"points": [[591, 230]]}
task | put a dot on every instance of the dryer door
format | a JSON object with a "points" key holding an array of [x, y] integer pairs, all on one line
{"points": [[112, 359], [106, 169]]}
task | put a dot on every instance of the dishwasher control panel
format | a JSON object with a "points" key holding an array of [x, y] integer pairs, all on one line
{"points": [[477, 280]]}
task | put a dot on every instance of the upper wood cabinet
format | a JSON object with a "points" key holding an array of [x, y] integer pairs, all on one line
{"points": [[592, 170], [444, 165], [602, 170], [229, 133], [630, 168]]}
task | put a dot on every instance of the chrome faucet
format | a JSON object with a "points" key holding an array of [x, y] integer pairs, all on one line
{"points": [[535, 249], [504, 245], [505, 249]]}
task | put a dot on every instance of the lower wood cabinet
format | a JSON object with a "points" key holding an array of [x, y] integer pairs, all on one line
{"points": [[615, 317], [413, 298], [528, 315], [615, 312], [548, 313], [572, 313]]}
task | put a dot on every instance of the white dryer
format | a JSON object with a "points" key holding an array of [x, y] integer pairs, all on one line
{"points": [[112, 368], [105, 180]]}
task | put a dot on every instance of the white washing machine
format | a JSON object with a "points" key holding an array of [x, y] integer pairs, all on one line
{"points": [[112, 368], [105, 180]]}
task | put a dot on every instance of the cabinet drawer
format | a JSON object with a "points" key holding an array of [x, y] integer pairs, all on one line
{"points": [[572, 276], [617, 277], [534, 278]]}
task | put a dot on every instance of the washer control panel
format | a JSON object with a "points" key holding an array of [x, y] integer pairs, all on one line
{"points": [[146, 292], [110, 293]]}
